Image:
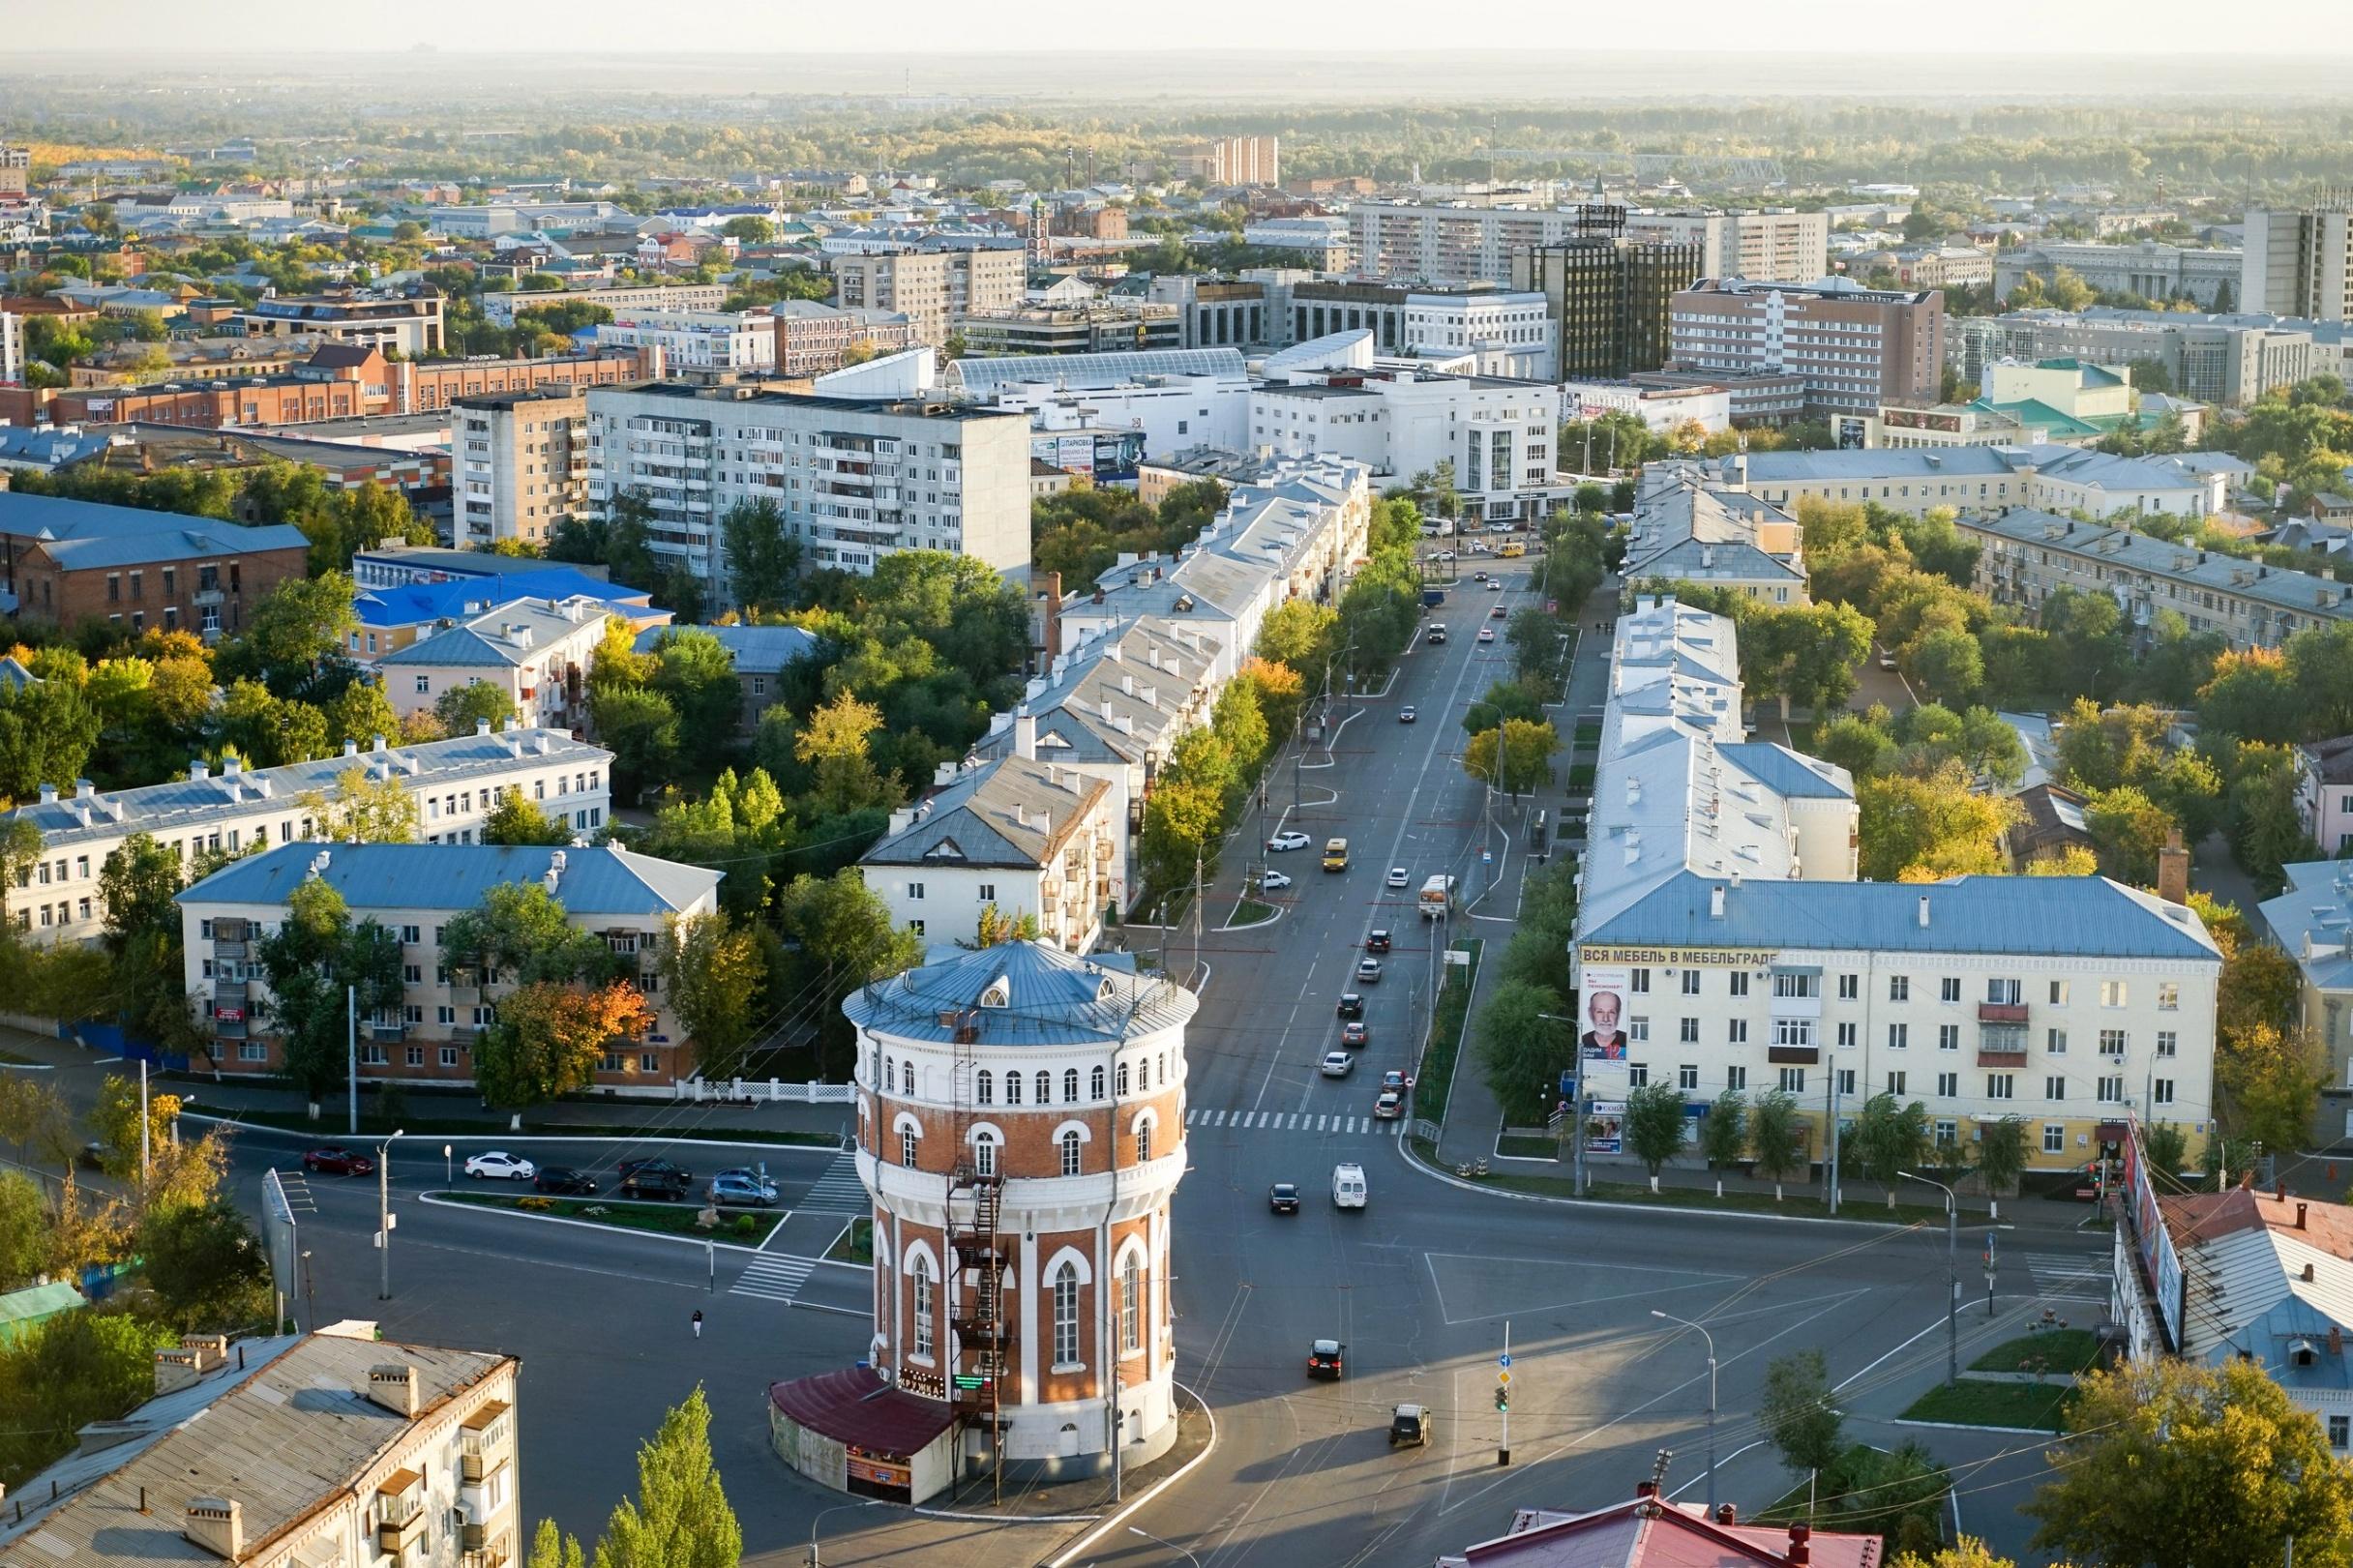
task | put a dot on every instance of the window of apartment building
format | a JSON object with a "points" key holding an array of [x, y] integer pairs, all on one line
{"points": [[1793, 1080], [1899, 987], [1947, 1134], [1850, 987], [915, 927], [1948, 1085], [2111, 1042], [139, 589], [1690, 982], [2168, 997], [1736, 1078], [372, 1055], [914, 892], [2054, 1087], [252, 1050], [2054, 1137], [114, 587], [2160, 1091], [1638, 1027], [1639, 980], [1070, 1154], [988, 892], [1637, 1075], [425, 684], [413, 974], [1736, 1031], [1899, 1036], [449, 1053], [1948, 1037], [1794, 1031], [416, 1055], [2114, 994], [1949, 989], [2059, 992], [2168, 1043], [2001, 1086], [2111, 1091], [2003, 993], [1740, 981], [1796, 984], [2054, 1041], [1688, 1033], [1687, 1077]]}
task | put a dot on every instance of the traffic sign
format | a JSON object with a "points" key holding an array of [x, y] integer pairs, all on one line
{"points": [[1486, 857], [1504, 1378], [1503, 1360]]}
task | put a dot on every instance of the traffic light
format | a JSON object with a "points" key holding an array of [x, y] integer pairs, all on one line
{"points": [[1503, 1398]]}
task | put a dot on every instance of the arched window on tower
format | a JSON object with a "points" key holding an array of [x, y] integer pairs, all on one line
{"points": [[1066, 1315], [985, 1087], [1123, 1080], [1095, 1082], [1070, 1086], [1131, 1305], [923, 1307], [1045, 1087], [1013, 1088], [1070, 1154]]}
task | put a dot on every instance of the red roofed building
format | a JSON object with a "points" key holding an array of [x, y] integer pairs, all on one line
{"points": [[1647, 1532]]}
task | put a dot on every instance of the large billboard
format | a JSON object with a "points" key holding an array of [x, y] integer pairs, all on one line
{"points": [[1695, 958], [2159, 1263], [1601, 997]]}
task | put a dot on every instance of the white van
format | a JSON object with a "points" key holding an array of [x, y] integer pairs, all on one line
{"points": [[1348, 1186]]}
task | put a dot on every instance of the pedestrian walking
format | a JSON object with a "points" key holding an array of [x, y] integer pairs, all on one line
{"points": [[697, 1322]]}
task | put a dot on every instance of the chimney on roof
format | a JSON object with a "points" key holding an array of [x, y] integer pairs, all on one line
{"points": [[1025, 736], [2279, 1192], [2307, 1274], [394, 1386], [351, 748], [1924, 912], [49, 791], [2301, 1210], [85, 790], [2337, 1340], [197, 773], [2173, 869], [1645, 1489], [232, 766], [1799, 1552], [217, 1525], [378, 746], [1727, 1514], [482, 726]]}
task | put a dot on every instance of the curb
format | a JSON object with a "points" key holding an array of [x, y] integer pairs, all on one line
{"points": [[495, 1135], [590, 1225], [1967, 1426], [1406, 1152], [1128, 1510]]}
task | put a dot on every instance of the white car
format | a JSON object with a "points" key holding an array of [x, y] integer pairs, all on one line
{"points": [[1399, 876], [498, 1164], [1443, 555], [1495, 585], [1487, 634], [1290, 839], [1338, 1064], [1269, 881]]}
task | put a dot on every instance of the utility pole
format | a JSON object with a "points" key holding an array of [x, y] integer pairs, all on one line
{"points": [[1953, 1278], [1831, 1170], [1711, 1339], [1502, 1395], [351, 1049], [383, 1218]]}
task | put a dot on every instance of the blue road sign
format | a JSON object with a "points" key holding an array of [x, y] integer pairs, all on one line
{"points": [[1503, 1360]]}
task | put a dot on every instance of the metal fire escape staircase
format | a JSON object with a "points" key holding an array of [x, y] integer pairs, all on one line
{"points": [[977, 1314]]}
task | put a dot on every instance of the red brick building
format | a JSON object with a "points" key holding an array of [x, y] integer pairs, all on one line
{"points": [[339, 382], [69, 561]]}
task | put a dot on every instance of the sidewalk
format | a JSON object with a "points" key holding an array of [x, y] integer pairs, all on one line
{"points": [[80, 1071]]}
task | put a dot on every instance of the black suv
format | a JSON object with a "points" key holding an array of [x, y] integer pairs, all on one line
{"points": [[1352, 1005], [655, 1178], [1323, 1358], [556, 1178], [1377, 941]]}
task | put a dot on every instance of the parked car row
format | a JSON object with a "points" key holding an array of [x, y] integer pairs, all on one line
{"points": [[647, 1178]]}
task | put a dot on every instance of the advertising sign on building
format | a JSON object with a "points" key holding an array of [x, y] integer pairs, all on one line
{"points": [[1605, 1128], [1601, 1011], [1696, 957], [2160, 1264]]}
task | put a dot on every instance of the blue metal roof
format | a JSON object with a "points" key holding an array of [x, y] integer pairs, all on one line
{"points": [[1047, 997], [756, 649], [415, 602], [83, 534], [2054, 916], [602, 880], [1785, 771]]}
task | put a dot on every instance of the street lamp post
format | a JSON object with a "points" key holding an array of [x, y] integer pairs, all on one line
{"points": [[837, 1508], [1171, 1545], [1953, 1278], [383, 1217], [1711, 1339]]}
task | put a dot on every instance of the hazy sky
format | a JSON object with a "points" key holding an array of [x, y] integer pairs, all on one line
{"points": [[932, 26]]}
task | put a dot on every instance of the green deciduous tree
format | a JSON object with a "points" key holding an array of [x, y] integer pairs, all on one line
{"points": [[1524, 749], [369, 809], [518, 820], [462, 708], [309, 960], [1932, 826], [2002, 1153], [47, 731], [1523, 1046], [207, 1268], [680, 1517], [711, 974], [2179, 1465], [1796, 1414], [2270, 1081], [74, 1368], [548, 1039], [1777, 1132], [640, 729], [1655, 1125], [1723, 1132], [24, 1230], [137, 883], [1889, 1138], [763, 556]]}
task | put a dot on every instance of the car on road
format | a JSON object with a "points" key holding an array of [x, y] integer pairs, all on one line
{"points": [[1886, 661], [1352, 1005], [1323, 1358], [91, 1156], [1368, 971], [1496, 613], [499, 1165], [1338, 1064], [1389, 1105], [1405, 715], [1348, 1190], [1283, 1198], [1409, 1427], [656, 1178], [1289, 839], [557, 1178], [333, 1160], [1393, 1080], [1377, 940], [740, 1188], [1355, 1036], [1399, 876], [1443, 555], [1495, 585], [1436, 634], [1487, 634], [1478, 577], [1269, 881]]}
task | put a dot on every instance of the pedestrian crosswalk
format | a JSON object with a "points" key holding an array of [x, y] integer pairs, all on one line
{"points": [[774, 1278], [837, 1189], [2070, 1276], [1291, 1121]]}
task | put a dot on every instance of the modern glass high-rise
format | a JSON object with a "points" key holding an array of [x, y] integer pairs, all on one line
{"points": [[1609, 294]]}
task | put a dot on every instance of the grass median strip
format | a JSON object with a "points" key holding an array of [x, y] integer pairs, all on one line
{"points": [[1978, 1403], [748, 1229], [2061, 1352], [854, 1245], [1436, 1077]]}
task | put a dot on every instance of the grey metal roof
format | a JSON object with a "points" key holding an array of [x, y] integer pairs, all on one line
{"points": [[758, 650], [508, 636], [456, 563], [2248, 1295], [1094, 371], [2313, 921], [183, 803], [1788, 773], [601, 880], [2059, 916], [1012, 812], [1877, 462], [285, 1432], [2125, 547], [86, 534], [1020, 994]]}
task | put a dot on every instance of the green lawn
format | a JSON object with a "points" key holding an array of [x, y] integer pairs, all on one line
{"points": [[2060, 1352], [1437, 1078], [745, 1229], [1736, 1200], [334, 1124], [1580, 775], [1971, 1403], [1529, 1148], [1588, 736], [1250, 911], [855, 1245]]}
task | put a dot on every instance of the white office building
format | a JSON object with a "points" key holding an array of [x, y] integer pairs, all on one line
{"points": [[1774, 246], [1175, 398], [734, 340], [855, 479]]}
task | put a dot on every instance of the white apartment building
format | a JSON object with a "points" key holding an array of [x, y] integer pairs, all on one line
{"points": [[935, 289], [1719, 909], [294, 1451], [2299, 261], [1913, 480], [521, 466], [855, 479], [1506, 333], [1033, 838], [1499, 434], [1775, 245], [743, 341], [1178, 397], [536, 652], [11, 347], [499, 308], [1687, 532], [1454, 242], [456, 784], [414, 890]]}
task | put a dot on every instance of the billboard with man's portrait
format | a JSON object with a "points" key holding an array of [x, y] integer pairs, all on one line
{"points": [[1601, 1018]]}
